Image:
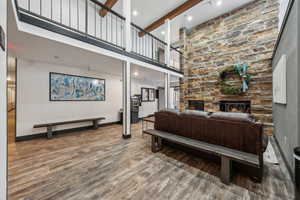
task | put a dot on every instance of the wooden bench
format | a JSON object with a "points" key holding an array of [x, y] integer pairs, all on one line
{"points": [[50, 126], [227, 155]]}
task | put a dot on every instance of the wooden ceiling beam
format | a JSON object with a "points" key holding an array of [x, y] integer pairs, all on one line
{"points": [[171, 15], [108, 4]]}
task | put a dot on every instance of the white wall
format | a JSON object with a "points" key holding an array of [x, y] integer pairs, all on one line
{"points": [[147, 108], [3, 108], [282, 10], [34, 107]]}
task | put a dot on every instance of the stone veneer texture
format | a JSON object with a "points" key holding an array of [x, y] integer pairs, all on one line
{"points": [[246, 35]]}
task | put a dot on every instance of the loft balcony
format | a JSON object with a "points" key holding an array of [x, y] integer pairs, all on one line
{"points": [[82, 20]]}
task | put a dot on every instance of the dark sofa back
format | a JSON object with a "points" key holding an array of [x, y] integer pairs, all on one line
{"points": [[232, 130]]}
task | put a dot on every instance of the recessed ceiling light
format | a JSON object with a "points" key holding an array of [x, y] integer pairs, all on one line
{"points": [[135, 13], [219, 3], [189, 18], [135, 73], [163, 32]]}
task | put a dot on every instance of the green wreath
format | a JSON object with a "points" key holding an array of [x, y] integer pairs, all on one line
{"points": [[241, 70]]}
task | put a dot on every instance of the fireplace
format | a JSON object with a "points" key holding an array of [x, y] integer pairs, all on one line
{"points": [[196, 105], [235, 106]]}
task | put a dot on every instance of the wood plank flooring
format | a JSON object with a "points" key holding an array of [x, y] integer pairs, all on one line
{"points": [[11, 128], [99, 164]]}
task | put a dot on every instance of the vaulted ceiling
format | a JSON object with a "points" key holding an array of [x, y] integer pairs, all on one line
{"points": [[150, 11]]}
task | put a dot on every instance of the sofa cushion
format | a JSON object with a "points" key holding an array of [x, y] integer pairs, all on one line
{"points": [[233, 116], [196, 113], [174, 111]]}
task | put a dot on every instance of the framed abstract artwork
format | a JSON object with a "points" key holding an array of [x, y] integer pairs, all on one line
{"points": [[145, 94], [64, 87]]}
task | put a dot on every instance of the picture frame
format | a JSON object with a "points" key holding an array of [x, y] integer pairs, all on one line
{"points": [[148, 94], [145, 94], [151, 94], [67, 87]]}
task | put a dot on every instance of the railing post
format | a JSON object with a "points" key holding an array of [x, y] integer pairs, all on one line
{"points": [[127, 15], [152, 47], [86, 16], [168, 41]]}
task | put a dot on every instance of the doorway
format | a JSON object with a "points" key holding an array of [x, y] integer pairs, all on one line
{"points": [[11, 99]]}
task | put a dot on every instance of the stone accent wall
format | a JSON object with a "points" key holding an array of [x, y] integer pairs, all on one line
{"points": [[245, 35]]}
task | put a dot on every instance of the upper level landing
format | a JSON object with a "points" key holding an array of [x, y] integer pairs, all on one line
{"points": [[79, 23]]}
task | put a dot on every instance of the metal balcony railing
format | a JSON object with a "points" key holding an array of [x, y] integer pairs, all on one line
{"points": [[175, 58], [147, 45], [83, 17]]}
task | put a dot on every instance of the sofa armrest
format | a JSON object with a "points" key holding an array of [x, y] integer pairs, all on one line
{"points": [[265, 141]]}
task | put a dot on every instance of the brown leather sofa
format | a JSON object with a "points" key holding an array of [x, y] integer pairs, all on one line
{"points": [[237, 131]]}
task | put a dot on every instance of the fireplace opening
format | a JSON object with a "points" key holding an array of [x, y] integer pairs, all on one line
{"points": [[196, 105], [235, 106]]}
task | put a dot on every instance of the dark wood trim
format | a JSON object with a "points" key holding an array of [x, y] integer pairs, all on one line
{"points": [[171, 15], [79, 77], [60, 132], [285, 20], [107, 8], [109, 4]]}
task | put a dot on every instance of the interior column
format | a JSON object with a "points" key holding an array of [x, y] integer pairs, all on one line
{"points": [[168, 59], [126, 100], [127, 72], [167, 90]]}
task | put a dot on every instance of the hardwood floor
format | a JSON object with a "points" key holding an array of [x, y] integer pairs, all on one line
{"points": [[11, 128], [99, 164]]}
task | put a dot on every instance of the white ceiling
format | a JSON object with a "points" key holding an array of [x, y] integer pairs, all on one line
{"points": [[28, 46], [151, 10], [31, 47]]}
